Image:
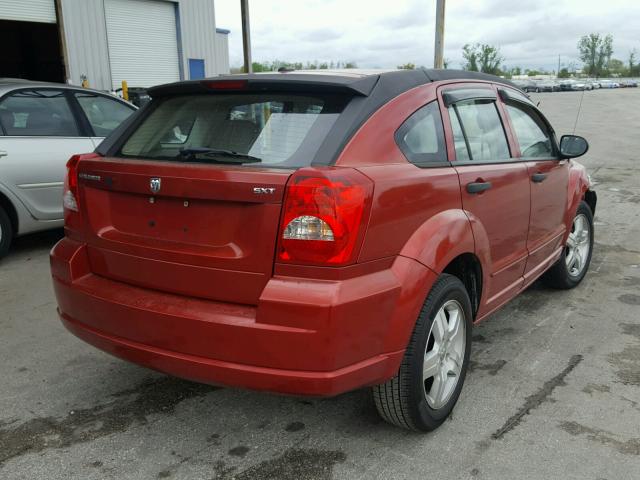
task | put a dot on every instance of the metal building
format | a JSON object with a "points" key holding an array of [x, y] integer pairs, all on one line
{"points": [[145, 42]]}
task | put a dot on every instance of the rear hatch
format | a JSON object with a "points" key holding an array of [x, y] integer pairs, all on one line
{"points": [[189, 201]]}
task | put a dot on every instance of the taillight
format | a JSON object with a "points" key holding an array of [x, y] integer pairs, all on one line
{"points": [[323, 212], [70, 196]]}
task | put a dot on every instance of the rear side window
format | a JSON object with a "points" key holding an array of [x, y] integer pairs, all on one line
{"points": [[533, 135], [484, 137], [104, 114], [37, 113], [282, 130], [421, 137]]}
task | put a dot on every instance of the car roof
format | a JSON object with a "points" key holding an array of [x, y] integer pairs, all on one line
{"points": [[355, 81], [8, 84]]}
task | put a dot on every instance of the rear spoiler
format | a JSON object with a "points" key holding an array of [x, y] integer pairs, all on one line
{"points": [[286, 82]]}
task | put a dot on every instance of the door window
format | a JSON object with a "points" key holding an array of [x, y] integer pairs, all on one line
{"points": [[478, 122], [37, 113], [533, 136], [421, 137], [104, 114]]}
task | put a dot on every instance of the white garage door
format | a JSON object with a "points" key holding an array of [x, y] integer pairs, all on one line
{"points": [[28, 10], [143, 43]]}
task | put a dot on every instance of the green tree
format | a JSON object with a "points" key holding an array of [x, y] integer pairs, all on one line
{"points": [[482, 57], [632, 63], [617, 67], [563, 73], [470, 55], [407, 66], [595, 51]]}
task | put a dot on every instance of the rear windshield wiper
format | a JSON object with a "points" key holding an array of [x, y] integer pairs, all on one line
{"points": [[224, 156]]}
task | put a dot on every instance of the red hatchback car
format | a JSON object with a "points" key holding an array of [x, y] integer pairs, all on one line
{"points": [[313, 233]]}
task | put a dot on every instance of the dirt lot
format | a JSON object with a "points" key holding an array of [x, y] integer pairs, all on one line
{"points": [[554, 390]]}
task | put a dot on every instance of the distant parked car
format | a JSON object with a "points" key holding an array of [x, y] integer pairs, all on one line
{"points": [[609, 84], [631, 83], [548, 86], [527, 85], [41, 126]]}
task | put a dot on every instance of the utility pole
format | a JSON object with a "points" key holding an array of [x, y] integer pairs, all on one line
{"points": [[246, 36], [438, 58], [558, 72]]}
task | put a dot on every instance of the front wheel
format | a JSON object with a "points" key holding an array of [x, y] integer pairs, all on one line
{"points": [[573, 264], [428, 383]]}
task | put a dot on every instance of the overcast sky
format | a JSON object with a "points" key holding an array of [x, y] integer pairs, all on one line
{"points": [[384, 34]]}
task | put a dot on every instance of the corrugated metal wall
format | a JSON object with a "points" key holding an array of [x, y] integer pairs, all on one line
{"points": [[28, 10], [198, 29], [222, 53], [142, 54], [86, 39]]}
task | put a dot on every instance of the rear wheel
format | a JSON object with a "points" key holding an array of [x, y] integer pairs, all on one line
{"points": [[6, 233], [430, 378], [572, 266]]}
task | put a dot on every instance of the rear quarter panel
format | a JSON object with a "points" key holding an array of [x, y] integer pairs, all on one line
{"points": [[416, 212]]}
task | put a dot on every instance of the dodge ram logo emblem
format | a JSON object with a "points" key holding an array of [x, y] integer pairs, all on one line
{"points": [[155, 183]]}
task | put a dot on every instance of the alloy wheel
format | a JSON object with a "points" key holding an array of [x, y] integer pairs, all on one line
{"points": [[578, 246], [444, 354]]}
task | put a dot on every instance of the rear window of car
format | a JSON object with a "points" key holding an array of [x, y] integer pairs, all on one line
{"points": [[282, 130]]}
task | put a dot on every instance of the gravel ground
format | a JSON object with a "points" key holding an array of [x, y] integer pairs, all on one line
{"points": [[553, 392]]}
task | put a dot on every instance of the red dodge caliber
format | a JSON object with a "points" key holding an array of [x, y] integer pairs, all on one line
{"points": [[313, 233]]}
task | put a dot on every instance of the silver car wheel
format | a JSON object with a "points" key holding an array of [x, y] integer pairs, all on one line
{"points": [[444, 354], [578, 246]]}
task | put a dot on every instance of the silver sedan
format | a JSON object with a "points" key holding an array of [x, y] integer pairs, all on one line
{"points": [[41, 126]]}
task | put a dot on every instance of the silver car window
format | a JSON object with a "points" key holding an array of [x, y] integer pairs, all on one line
{"points": [[37, 113], [104, 114]]}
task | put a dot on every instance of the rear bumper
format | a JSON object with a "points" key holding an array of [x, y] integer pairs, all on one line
{"points": [[219, 372], [318, 338]]}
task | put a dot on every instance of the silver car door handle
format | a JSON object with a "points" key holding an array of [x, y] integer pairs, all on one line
{"points": [[3, 153]]}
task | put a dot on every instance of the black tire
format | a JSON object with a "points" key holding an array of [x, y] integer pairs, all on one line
{"points": [[6, 233], [559, 276], [402, 401]]}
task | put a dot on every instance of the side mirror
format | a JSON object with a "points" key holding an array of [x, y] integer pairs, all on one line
{"points": [[572, 146]]}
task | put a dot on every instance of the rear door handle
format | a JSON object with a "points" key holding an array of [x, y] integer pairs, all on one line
{"points": [[3, 153], [478, 187], [538, 177]]}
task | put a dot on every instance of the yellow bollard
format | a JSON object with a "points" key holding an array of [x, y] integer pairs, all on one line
{"points": [[125, 90]]}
